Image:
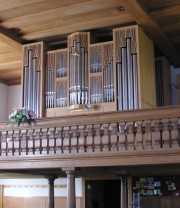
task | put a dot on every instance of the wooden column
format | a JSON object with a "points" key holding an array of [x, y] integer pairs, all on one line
{"points": [[51, 191], [124, 200], [71, 192], [1, 196]]}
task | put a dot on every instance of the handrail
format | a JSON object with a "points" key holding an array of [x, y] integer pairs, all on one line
{"points": [[99, 118], [147, 129]]}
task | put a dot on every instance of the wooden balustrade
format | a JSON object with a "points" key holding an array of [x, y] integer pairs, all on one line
{"points": [[149, 129]]}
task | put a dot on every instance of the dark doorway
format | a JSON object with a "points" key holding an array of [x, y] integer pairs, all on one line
{"points": [[102, 194]]}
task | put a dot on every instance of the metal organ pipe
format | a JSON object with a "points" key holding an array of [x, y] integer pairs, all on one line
{"points": [[78, 70], [126, 70], [31, 82]]}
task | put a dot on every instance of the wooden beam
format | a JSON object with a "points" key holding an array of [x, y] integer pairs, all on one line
{"points": [[64, 11], [141, 16], [73, 19], [15, 81], [10, 39], [13, 4], [80, 26], [166, 11], [10, 64]]}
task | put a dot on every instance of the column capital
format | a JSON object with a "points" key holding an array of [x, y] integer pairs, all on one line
{"points": [[51, 177], [69, 169]]}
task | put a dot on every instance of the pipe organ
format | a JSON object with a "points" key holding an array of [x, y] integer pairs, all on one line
{"points": [[78, 68], [125, 44], [32, 77], [110, 76]]}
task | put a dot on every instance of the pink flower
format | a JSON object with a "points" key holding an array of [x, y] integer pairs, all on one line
{"points": [[18, 111]]}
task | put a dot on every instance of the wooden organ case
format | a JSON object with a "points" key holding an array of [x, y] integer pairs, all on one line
{"points": [[33, 78], [110, 76]]}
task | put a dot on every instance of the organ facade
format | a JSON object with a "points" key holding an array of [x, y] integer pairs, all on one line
{"points": [[109, 76]]}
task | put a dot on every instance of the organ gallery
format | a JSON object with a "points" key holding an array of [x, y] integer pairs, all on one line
{"points": [[107, 76]]}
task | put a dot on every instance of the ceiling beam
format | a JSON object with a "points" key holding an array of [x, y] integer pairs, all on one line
{"points": [[80, 26], [65, 11], [10, 39], [166, 11], [138, 11]]}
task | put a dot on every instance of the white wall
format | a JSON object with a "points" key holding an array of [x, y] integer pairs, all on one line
{"points": [[14, 98], [37, 187], [10, 98], [3, 102]]}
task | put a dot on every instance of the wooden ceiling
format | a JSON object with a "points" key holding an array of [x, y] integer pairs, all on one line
{"points": [[51, 21]]}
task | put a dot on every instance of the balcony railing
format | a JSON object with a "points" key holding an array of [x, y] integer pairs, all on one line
{"points": [[113, 132]]}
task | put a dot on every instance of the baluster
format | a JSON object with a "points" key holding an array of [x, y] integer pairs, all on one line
{"points": [[178, 127], [135, 133], [48, 133], [62, 137], [161, 128], [70, 137], [170, 128], [85, 138], [143, 130], [55, 138], [101, 132], [152, 129], [109, 137], [13, 149], [40, 138], [78, 134], [7, 140], [126, 131], [33, 139], [27, 139], [118, 136], [20, 141], [93, 136]]}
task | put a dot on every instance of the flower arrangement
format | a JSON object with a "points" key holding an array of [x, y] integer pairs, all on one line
{"points": [[22, 115]]}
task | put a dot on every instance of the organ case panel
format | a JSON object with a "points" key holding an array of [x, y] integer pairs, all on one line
{"points": [[163, 80], [101, 76], [78, 68], [56, 82], [134, 63], [33, 77]]}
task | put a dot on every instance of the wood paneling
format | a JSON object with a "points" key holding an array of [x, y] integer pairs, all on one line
{"points": [[146, 76], [36, 202], [160, 201], [1, 196]]}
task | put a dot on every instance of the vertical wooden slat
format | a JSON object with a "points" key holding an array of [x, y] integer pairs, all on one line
{"points": [[85, 138], [126, 131], [1, 195], [93, 137], [62, 138], [109, 137], [70, 139], [161, 128], [47, 136], [152, 129], [134, 134], [170, 128], [101, 133], [55, 138], [143, 130], [78, 134]]}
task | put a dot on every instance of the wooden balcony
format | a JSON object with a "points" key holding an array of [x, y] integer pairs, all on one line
{"points": [[149, 136]]}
